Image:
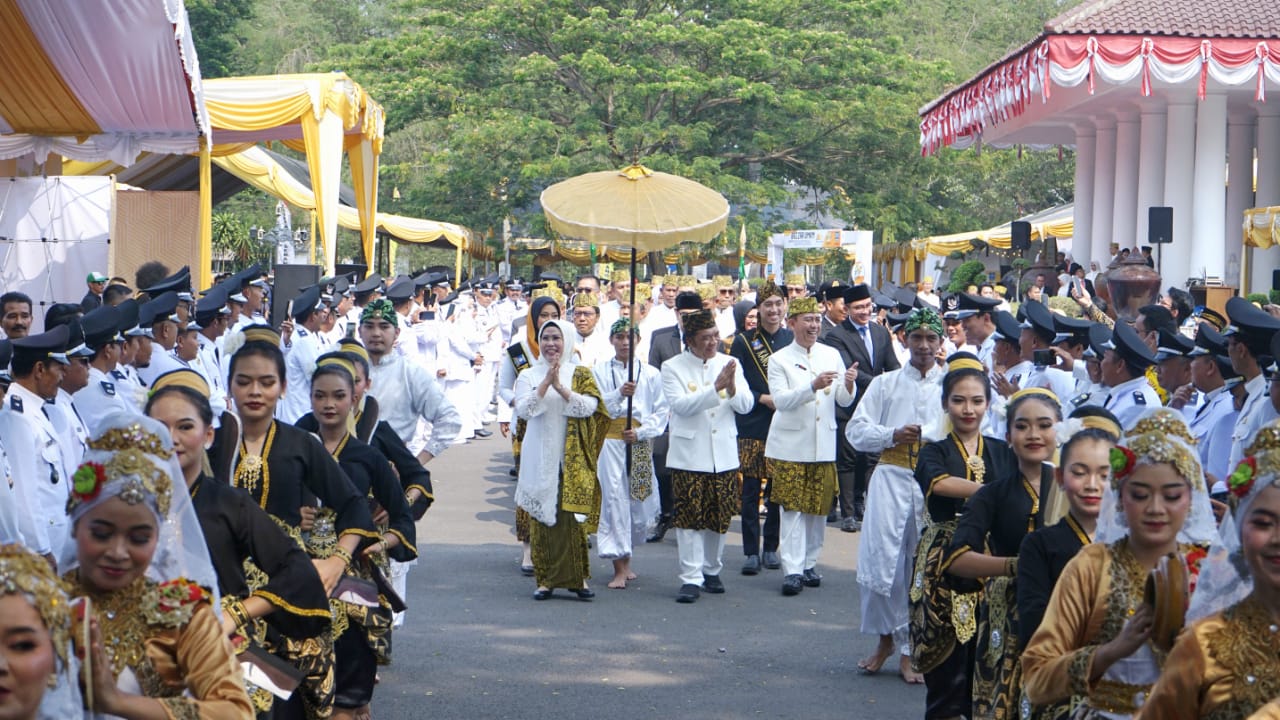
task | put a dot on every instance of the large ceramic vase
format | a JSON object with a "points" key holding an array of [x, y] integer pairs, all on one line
{"points": [[1131, 284]]}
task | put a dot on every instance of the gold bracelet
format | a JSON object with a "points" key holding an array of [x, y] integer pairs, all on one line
{"points": [[1011, 566], [341, 552], [238, 613]]}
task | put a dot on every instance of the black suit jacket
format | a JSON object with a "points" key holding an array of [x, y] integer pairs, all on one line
{"points": [[848, 342], [664, 345]]}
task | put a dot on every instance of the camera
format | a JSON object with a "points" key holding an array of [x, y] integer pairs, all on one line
{"points": [[1044, 358]]}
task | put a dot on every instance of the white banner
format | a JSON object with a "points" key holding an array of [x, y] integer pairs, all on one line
{"points": [[53, 233], [855, 243]]}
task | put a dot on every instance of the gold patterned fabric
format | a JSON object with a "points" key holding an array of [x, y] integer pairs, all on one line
{"points": [[559, 552], [939, 618], [751, 458], [706, 501], [997, 672], [579, 487], [805, 487], [1226, 666], [522, 524]]}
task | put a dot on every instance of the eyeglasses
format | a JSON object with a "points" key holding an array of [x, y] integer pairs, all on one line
{"points": [[585, 290], [726, 291]]}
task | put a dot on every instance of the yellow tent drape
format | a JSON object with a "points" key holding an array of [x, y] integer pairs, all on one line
{"points": [[1262, 227], [205, 259], [364, 180]]}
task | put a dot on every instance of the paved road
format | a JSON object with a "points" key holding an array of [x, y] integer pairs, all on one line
{"points": [[476, 645]]}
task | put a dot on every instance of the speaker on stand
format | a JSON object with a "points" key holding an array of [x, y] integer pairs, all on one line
{"points": [[1159, 231], [1020, 235], [290, 279]]}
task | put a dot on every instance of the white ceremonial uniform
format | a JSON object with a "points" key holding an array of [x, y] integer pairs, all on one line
{"points": [[299, 364], [488, 325], [895, 505], [1217, 447], [75, 434], [1216, 405], [704, 439], [507, 380], [454, 356], [725, 322], [407, 394], [130, 386], [162, 361], [594, 347], [39, 470], [625, 519], [1129, 399], [407, 341], [102, 396], [508, 310], [14, 512], [659, 317], [997, 421], [208, 363], [1256, 412], [984, 353], [610, 311], [803, 430]]}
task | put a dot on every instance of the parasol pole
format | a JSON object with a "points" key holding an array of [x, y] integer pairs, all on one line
{"points": [[631, 356]]}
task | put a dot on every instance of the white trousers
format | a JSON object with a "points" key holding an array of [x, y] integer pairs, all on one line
{"points": [[623, 521], [800, 538], [701, 553], [486, 386], [889, 614], [459, 393]]}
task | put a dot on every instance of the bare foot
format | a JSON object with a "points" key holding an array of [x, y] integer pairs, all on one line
{"points": [[909, 676], [871, 664], [619, 582], [631, 576]]}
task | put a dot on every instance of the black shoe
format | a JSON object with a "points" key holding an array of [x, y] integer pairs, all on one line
{"points": [[526, 570], [585, 593], [688, 594], [712, 584], [752, 565], [792, 585], [850, 525], [514, 472], [833, 516], [665, 523], [811, 578], [771, 560], [484, 433], [542, 594]]}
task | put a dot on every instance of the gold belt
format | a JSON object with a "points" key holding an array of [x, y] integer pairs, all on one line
{"points": [[903, 456], [617, 425], [1117, 697]]}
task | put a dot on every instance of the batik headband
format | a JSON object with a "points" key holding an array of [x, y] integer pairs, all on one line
{"points": [[924, 317], [380, 309]]}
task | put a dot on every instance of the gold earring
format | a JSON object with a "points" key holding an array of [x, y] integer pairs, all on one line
{"points": [[52, 682]]}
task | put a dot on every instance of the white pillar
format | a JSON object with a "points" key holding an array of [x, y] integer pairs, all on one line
{"points": [[1104, 184], [1082, 214], [1262, 262], [1240, 131], [1179, 169], [1210, 202], [1150, 167], [1125, 211]]}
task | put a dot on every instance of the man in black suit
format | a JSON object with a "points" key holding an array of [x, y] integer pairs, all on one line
{"points": [[665, 344], [831, 295], [869, 345]]}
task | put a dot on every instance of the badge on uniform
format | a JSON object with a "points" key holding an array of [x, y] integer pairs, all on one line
{"points": [[1080, 399], [15, 402], [756, 344], [108, 388], [1139, 398]]}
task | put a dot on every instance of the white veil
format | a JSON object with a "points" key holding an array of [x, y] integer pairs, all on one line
{"points": [[135, 455]]}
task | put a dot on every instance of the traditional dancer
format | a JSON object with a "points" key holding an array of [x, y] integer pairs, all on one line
{"points": [[629, 504], [806, 382], [889, 418]]}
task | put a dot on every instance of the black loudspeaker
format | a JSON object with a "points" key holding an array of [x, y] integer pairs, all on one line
{"points": [[1020, 232], [290, 279], [358, 269], [1159, 225], [1275, 280]]}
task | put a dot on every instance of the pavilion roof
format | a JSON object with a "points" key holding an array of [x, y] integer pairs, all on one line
{"points": [[1181, 18]]}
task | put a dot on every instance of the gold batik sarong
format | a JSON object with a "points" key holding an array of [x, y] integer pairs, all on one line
{"points": [[997, 672], [803, 487], [940, 617]]}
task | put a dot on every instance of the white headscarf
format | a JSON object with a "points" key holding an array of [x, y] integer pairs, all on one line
{"points": [[1159, 436], [134, 455], [568, 360], [1224, 574]]}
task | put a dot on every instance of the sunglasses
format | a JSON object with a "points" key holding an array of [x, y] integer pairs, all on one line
{"points": [[585, 290]]}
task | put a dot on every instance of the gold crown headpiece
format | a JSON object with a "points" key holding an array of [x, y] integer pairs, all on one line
{"points": [[1164, 422], [1152, 448], [22, 572], [131, 451]]}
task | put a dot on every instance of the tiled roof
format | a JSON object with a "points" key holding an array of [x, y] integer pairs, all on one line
{"points": [[1186, 18]]}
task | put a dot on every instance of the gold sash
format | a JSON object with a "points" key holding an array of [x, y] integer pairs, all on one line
{"points": [[903, 456]]}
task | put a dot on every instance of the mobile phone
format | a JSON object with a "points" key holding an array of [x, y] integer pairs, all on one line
{"points": [[1044, 358]]}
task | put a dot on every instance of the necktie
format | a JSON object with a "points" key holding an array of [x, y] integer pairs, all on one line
{"points": [[866, 339]]}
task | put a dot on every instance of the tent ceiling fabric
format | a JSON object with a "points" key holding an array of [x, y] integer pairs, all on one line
{"points": [[98, 80], [635, 208]]}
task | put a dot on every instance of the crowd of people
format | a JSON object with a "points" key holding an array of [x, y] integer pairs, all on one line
{"points": [[1060, 515]]}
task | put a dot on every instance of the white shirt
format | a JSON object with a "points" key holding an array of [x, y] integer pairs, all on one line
{"points": [[1256, 412], [893, 399], [704, 434], [594, 347], [299, 364], [405, 394], [804, 420], [102, 396], [40, 477], [1130, 399], [649, 408]]}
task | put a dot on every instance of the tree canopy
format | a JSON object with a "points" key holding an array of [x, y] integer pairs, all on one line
{"points": [[488, 102]]}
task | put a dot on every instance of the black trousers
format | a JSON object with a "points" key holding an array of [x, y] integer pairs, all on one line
{"points": [[949, 687], [751, 518], [853, 470]]}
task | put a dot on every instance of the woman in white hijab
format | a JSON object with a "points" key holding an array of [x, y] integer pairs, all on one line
{"points": [[566, 422]]}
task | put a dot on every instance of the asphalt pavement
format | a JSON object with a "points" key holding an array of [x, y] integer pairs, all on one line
{"points": [[476, 644]]}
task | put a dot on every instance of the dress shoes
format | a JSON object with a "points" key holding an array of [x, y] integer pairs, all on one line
{"points": [[771, 560], [688, 593], [752, 565], [833, 516], [484, 433], [812, 578], [665, 523], [792, 585], [712, 584], [514, 472], [526, 570], [542, 594], [585, 593], [850, 525]]}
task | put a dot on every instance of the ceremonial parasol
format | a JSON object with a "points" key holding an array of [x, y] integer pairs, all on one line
{"points": [[635, 208]]}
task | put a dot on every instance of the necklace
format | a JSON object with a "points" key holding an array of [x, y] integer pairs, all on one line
{"points": [[123, 624], [973, 462], [252, 471]]}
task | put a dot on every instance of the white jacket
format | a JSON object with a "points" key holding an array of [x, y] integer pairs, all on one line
{"points": [[704, 433], [803, 428]]}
